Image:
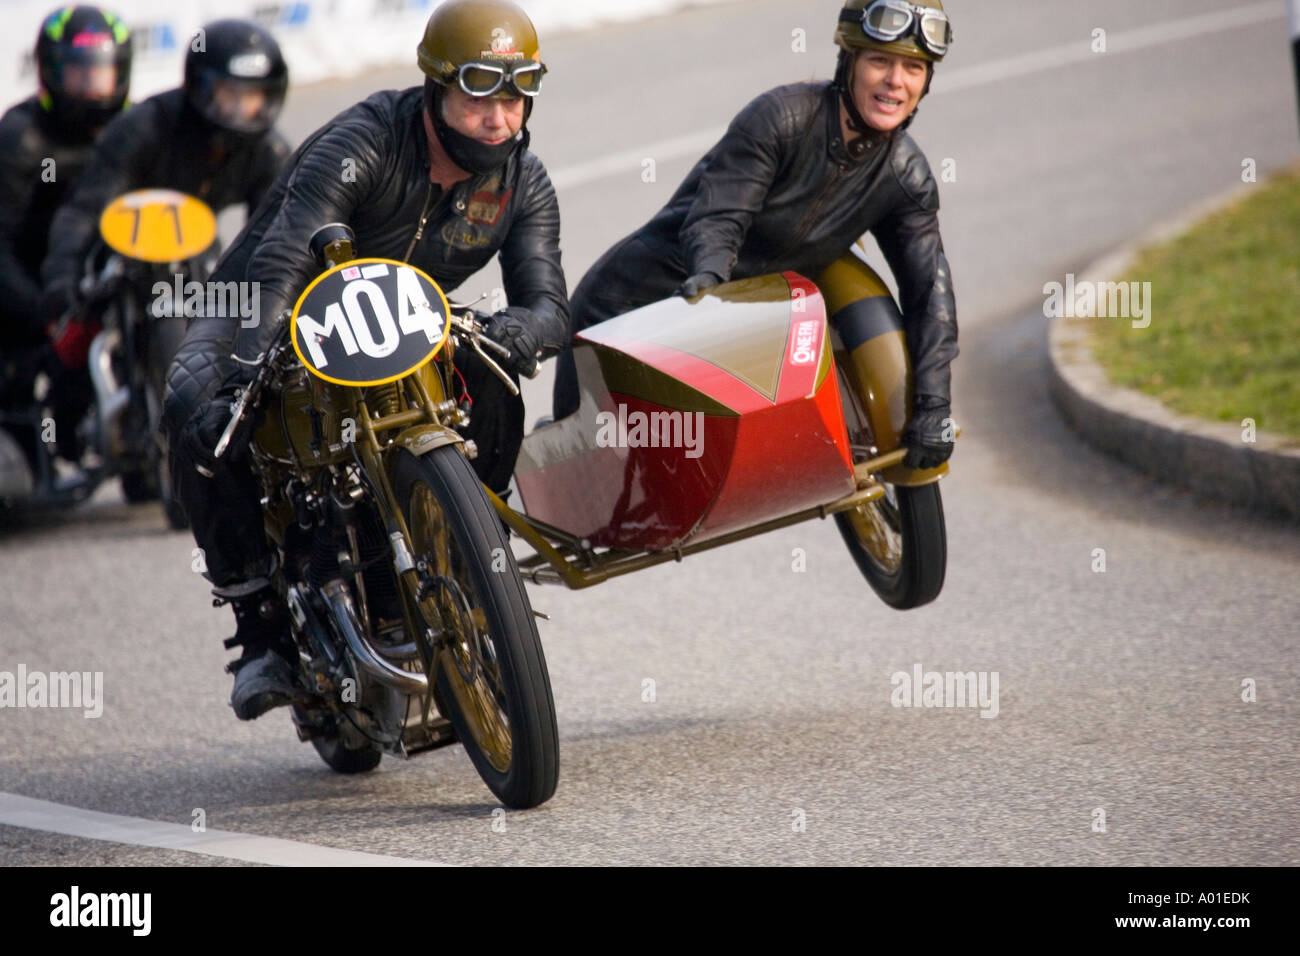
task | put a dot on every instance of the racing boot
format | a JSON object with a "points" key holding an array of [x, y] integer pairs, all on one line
{"points": [[265, 672]]}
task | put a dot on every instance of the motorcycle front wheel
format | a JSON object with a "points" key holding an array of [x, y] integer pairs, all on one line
{"points": [[900, 544], [490, 671]]}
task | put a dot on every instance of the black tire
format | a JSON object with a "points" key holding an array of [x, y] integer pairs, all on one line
{"points": [[456, 531], [165, 337], [341, 757], [139, 486], [900, 544]]}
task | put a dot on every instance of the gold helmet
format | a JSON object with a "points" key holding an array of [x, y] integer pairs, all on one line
{"points": [[917, 28], [488, 47]]}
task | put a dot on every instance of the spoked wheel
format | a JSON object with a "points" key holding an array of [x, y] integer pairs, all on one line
{"points": [[900, 544], [491, 673]]}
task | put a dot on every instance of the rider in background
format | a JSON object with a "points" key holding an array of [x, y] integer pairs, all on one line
{"points": [[83, 57], [442, 178], [803, 172], [212, 138]]}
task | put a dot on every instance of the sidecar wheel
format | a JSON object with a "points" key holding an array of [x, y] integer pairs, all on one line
{"points": [[900, 544], [491, 673]]}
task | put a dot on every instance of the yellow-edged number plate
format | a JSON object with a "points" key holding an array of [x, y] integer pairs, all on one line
{"points": [[369, 321], [158, 225]]}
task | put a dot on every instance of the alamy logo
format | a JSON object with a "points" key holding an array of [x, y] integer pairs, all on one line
{"points": [[922, 688], [1107, 300], [74, 908], [502, 43], [213, 300], [651, 430], [77, 689]]}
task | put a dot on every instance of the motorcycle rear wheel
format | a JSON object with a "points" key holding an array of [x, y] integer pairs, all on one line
{"points": [[491, 672], [900, 544]]}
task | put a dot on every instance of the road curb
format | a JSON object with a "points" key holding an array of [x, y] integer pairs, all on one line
{"points": [[1210, 458]]}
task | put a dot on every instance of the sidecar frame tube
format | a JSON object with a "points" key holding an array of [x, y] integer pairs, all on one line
{"points": [[602, 567]]}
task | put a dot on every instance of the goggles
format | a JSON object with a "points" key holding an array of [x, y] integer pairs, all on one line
{"points": [[890, 20], [523, 78]]}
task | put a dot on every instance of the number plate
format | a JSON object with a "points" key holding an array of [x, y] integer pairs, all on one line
{"points": [[369, 321], [158, 225]]}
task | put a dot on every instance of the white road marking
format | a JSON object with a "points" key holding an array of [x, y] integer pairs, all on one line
{"points": [[1066, 54], [18, 811]]}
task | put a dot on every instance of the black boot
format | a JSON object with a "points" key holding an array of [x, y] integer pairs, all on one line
{"points": [[265, 672]]}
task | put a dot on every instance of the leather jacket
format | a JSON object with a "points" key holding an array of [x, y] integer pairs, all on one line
{"points": [[160, 143], [369, 168], [39, 164], [782, 191]]}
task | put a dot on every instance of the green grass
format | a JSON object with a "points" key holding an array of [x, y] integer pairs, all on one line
{"points": [[1224, 338]]}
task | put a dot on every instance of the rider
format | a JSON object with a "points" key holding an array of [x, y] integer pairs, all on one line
{"points": [[83, 57], [438, 176], [804, 171], [211, 138]]}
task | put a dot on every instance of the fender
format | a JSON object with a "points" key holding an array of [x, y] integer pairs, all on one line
{"points": [[870, 325], [422, 439]]}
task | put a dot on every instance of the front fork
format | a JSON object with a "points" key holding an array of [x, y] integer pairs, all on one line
{"points": [[421, 428], [875, 361]]}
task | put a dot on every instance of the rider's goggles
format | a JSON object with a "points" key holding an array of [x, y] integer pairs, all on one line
{"points": [[890, 20], [484, 79]]}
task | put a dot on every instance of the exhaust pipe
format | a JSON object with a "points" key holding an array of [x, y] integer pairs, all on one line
{"points": [[345, 616], [111, 398]]}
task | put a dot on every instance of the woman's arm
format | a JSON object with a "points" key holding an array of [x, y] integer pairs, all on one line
{"points": [[733, 188]]}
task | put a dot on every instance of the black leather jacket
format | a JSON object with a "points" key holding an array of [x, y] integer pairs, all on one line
{"points": [[782, 191], [369, 168], [39, 165], [160, 143]]}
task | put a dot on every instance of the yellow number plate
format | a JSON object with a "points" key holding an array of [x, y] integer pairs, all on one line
{"points": [[158, 225]]}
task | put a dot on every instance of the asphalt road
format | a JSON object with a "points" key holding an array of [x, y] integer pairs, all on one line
{"points": [[1119, 691]]}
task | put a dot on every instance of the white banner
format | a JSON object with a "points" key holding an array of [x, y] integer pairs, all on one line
{"points": [[321, 39]]}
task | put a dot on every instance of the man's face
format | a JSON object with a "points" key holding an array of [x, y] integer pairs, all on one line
{"points": [[887, 87], [488, 119], [89, 81], [236, 103]]}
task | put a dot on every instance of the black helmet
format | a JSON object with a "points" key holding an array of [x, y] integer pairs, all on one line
{"points": [[83, 56], [230, 60]]}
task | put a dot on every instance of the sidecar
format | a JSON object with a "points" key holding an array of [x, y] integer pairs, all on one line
{"points": [[707, 420]]}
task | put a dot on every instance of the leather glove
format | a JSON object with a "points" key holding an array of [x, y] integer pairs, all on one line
{"points": [[516, 329], [201, 433], [72, 337], [700, 282], [929, 435]]}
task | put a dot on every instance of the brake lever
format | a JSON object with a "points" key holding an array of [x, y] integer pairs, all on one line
{"points": [[467, 322], [497, 370], [252, 392]]}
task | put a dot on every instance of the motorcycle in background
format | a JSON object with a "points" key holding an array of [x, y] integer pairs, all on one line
{"points": [[150, 240]]}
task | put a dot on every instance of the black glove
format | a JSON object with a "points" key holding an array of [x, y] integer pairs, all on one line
{"points": [[201, 433], [58, 300], [700, 282], [516, 329], [929, 435]]}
